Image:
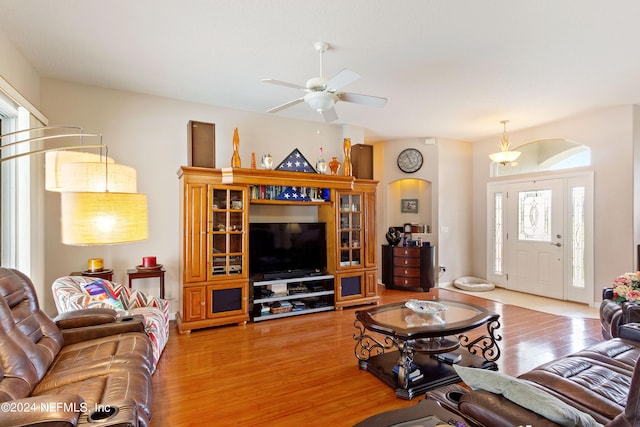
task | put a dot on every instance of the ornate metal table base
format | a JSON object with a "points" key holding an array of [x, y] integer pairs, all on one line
{"points": [[381, 355]]}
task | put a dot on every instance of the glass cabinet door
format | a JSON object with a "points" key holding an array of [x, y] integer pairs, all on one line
{"points": [[227, 234], [350, 229]]}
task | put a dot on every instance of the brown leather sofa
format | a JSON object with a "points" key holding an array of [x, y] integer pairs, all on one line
{"points": [[88, 367], [602, 380]]}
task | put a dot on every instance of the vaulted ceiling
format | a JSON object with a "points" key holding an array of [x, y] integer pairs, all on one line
{"points": [[449, 68]]}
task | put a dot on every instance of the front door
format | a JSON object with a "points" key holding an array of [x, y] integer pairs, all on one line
{"points": [[540, 236], [536, 238]]}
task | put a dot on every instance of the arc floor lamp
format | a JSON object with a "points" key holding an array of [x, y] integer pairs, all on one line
{"points": [[99, 200]]}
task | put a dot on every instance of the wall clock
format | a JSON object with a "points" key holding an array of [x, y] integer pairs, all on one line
{"points": [[410, 160]]}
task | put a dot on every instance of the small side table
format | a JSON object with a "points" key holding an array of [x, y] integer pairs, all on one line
{"points": [[145, 274], [106, 274]]}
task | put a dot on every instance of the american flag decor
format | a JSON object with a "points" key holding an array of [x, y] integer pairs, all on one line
{"points": [[293, 193], [296, 162]]}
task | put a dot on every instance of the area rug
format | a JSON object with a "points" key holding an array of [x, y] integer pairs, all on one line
{"points": [[532, 302]]}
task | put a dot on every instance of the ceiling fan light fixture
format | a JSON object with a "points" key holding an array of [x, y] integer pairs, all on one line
{"points": [[505, 155], [320, 101]]}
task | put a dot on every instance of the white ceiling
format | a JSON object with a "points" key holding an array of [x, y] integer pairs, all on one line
{"points": [[449, 68]]}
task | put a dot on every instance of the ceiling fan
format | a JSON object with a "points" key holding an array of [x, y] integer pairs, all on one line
{"points": [[322, 94]]}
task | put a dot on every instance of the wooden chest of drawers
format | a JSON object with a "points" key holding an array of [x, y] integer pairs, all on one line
{"points": [[410, 268]]}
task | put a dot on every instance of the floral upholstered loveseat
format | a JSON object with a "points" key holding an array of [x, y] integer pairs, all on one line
{"points": [[78, 292]]}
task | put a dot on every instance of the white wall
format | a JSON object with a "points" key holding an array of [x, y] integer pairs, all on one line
{"points": [[609, 133], [16, 70], [150, 134], [455, 209], [448, 166]]}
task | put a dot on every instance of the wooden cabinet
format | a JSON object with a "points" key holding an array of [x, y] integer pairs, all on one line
{"points": [[362, 161], [214, 265], [409, 268], [214, 226], [353, 257]]}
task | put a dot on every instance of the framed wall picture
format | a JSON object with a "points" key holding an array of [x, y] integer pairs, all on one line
{"points": [[409, 205]]}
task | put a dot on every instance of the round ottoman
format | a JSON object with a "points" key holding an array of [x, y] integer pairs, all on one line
{"points": [[473, 284]]}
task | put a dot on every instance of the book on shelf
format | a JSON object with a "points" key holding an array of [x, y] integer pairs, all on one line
{"points": [[450, 357], [298, 305], [415, 374], [414, 370]]}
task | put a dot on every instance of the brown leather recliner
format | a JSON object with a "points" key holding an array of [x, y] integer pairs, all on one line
{"points": [[615, 314], [85, 366]]}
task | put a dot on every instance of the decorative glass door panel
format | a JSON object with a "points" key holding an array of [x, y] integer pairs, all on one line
{"points": [[534, 215], [350, 230]]}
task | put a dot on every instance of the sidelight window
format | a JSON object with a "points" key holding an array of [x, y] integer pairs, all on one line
{"points": [[578, 237], [498, 245]]}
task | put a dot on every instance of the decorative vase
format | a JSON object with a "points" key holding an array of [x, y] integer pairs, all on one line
{"points": [[267, 161], [393, 236], [334, 165], [346, 169], [321, 165], [235, 159]]}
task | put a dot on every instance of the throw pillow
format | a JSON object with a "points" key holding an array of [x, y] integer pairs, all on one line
{"points": [[525, 395], [100, 291]]}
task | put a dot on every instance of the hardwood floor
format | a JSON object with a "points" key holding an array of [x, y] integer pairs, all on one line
{"points": [[302, 370]]}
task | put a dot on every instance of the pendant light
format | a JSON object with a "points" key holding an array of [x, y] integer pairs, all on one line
{"points": [[505, 155]]}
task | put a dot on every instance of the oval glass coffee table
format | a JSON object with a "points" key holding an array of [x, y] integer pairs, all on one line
{"points": [[412, 349]]}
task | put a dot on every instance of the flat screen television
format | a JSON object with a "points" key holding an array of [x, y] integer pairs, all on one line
{"points": [[285, 250]]}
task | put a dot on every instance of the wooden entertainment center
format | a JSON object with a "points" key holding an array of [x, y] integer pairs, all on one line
{"points": [[214, 230]]}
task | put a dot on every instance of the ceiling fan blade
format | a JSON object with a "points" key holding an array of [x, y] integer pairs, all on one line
{"points": [[330, 115], [285, 105], [342, 79], [281, 83], [373, 101]]}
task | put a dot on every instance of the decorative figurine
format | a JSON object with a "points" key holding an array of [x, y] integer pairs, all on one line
{"points": [[235, 159], [267, 161], [393, 236], [346, 168]]}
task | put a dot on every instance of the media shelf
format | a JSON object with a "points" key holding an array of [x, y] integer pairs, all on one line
{"points": [[316, 293], [287, 194]]}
